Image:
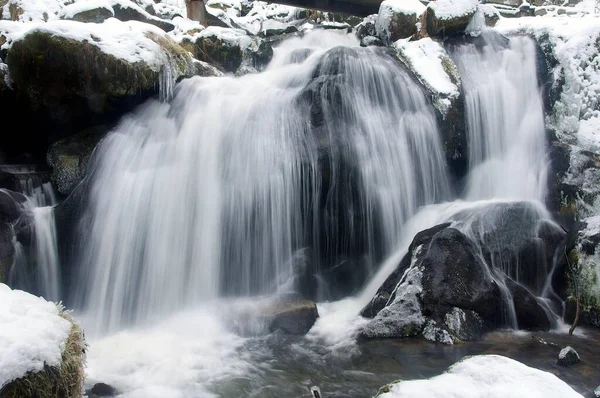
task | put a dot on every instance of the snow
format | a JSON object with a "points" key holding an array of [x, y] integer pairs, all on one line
{"points": [[425, 57], [485, 376], [35, 10], [451, 9], [565, 351], [125, 40], [477, 23], [81, 6], [32, 334], [232, 37], [391, 8]]}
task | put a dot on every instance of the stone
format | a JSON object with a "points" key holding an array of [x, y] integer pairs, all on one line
{"points": [[69, 157], [597, 392], [366, 27], [230, 50], [292, 316], [371, 41], [103, 390], [69, 85], [568, 357], [490, 13], [395, 21], [94, 15], [445, 19], [132, 12]]}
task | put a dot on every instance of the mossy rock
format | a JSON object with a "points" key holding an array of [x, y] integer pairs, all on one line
{"points": [[69, 157], [211, 49], [65, 381], [134, 14], [51, 70]]}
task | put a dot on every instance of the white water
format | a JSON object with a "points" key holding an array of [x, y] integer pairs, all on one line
{"points": [[222, 166], [221, 187], [507, 144]]}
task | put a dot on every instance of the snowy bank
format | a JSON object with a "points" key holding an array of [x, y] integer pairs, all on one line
{"points": [[489, 376], [41, 348]]}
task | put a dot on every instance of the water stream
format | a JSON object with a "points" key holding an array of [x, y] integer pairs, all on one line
{"points": [[239, 188]]}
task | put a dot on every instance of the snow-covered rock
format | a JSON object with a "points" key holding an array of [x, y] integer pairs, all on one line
{"points": [[397, 19], [82, 74], [32, 10], [489, 376], [568, 357], [230, 49], [35, 336], [449, 17], [100, 10]]}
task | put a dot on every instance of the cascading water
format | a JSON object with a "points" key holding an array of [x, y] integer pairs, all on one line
{"points": [[217, 190], [506, 131]]}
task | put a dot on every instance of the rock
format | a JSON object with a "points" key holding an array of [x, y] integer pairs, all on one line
{"points": [[597, 392], [123, 10], [103, 390], [490, 13], [464, 324], [398, 20], [447, 291], [127, 11], [229, 49], [531, 315], [292, 316], [10, 205], [71, 84], [7, 249], [371, 41], [446, 18], [568, 357], [276, 28], [445, 93], [366, 27], [69, 157]]}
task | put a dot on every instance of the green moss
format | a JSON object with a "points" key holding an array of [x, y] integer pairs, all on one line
{"points": [[65, 381], [50, 69], [178, 56], [387, 388], [568, 207]]}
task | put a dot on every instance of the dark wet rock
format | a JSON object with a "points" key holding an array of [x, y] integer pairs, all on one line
{"points": [[292, 316], [371, 41], [10, 205], [69, 85], [7, 249], [587, 316], [366, 27], [568, 357], [597, 392], [103, 390], [447, 290], [279, 30], [132, 12], [531, 314], [69, 157], [442, 25]]}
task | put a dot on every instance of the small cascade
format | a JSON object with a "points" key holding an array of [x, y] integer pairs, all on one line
{"points": [[505, 117], [36, 264]]}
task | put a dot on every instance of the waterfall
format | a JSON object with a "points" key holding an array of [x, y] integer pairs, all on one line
{"points": [[505, 117], [217, 192]]}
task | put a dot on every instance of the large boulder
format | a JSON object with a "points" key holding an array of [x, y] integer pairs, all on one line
{"points": [[73, 80], [69, 157], [451, 287], [447, 18], [397, 19]]}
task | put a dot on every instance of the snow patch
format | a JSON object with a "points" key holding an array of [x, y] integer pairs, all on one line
{"points": [[124, 40], [32, 334], [34, 10], [489, 376], [451, 9], [426, 58]]}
